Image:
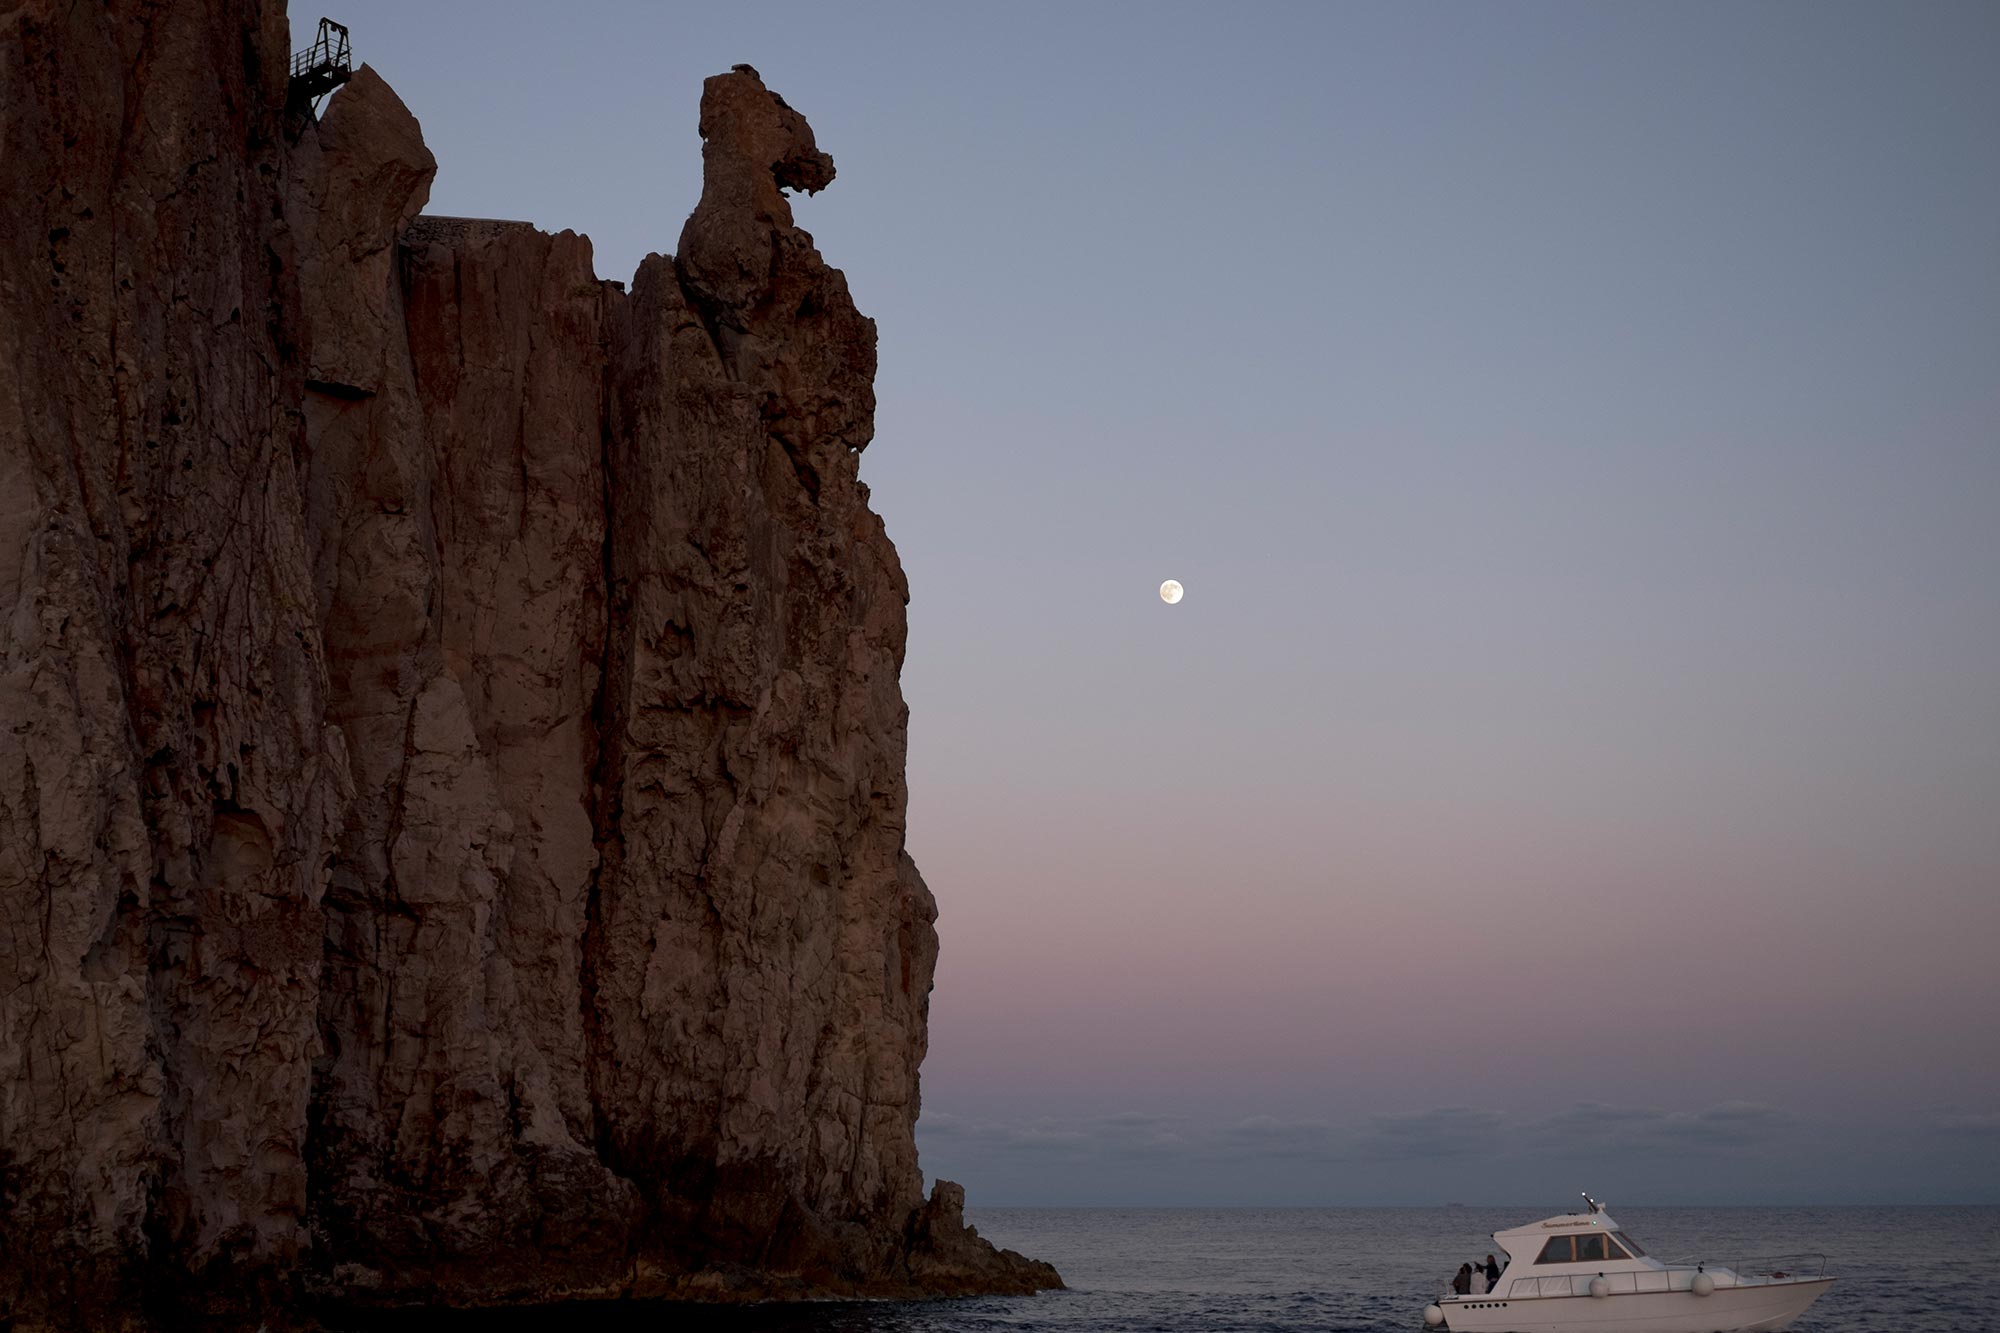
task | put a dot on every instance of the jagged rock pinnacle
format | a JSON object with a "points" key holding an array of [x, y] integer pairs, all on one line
{"points": [[753, 148]]}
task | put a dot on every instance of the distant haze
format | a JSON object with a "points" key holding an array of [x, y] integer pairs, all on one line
{"points": [[1576, 761]]}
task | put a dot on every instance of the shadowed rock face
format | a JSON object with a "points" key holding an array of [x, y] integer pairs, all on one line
{"points": [[170, 785], [451, 788]]}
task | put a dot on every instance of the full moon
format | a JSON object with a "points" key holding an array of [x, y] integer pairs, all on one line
{"points": [[1170, 592]]}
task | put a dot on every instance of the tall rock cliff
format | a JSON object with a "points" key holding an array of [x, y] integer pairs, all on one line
{"points": [[451, 781]]}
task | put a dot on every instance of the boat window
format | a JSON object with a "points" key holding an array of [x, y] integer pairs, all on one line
{"points": [[1613, 1250], [1592, 1247], [1625, 1239]]}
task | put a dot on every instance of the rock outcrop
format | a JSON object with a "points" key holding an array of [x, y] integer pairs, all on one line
{"points": [[451, 781]]}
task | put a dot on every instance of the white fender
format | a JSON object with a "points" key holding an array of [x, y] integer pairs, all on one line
{"points": [[1703, 1285], [1599, 1287], [1433, 1316]]}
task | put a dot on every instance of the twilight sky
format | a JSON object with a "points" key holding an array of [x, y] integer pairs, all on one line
{"points": [[1576, 762]]}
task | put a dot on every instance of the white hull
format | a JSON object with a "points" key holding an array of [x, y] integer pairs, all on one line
{"points": [[1759, 1308]]}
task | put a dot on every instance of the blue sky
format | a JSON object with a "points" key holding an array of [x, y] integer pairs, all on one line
{"points": [[1578, 431]]}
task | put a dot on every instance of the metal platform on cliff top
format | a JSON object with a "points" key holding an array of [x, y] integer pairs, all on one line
{"points": [[321, 67]]}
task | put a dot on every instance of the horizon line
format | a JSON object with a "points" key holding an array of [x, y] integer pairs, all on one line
{"points": [[1424, 1207]]}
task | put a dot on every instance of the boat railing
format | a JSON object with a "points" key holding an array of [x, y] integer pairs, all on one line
{"points": [[1677, 1276], [1803, 1267]]}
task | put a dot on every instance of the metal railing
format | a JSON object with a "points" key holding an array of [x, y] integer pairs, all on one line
{"points": [[1678, 1276], [1807, 1266], [330, 50]]}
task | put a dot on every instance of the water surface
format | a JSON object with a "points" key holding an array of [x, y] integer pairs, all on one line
{"points": [[1368, 1270]]}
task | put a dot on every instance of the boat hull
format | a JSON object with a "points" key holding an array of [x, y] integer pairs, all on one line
{"points": [[1762, 1308]]}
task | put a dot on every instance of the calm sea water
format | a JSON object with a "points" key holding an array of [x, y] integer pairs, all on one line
{"points": [[1249, 1270]]}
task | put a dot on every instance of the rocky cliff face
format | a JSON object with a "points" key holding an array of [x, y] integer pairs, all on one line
{"points": [[451, 788]]}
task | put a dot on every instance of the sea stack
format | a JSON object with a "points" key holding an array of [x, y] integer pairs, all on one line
{"points": [[451, 748]]}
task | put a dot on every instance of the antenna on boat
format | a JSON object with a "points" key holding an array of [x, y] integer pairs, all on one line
{"points": [[1595, 1206]]}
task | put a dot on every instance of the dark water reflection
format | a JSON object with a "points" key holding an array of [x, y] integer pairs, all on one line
{"points": [[1239, 1270]]}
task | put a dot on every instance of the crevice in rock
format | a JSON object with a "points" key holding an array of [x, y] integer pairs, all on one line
{"points": [[604, 792]]}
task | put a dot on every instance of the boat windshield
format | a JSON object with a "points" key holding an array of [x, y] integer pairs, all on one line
{"points": [[1625, 1239], [1591, 1247]]}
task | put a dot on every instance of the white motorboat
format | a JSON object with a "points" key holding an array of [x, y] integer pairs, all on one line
{"points": [[1582, 1271]]}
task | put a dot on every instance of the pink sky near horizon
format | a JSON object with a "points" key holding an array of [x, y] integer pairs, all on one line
{"points": [[1702, 979]]}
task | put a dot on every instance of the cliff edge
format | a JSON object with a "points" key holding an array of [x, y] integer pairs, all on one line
{"points": [[451, 749]]}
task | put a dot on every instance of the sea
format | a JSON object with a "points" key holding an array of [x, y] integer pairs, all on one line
{"points": [[1368, 1270]]}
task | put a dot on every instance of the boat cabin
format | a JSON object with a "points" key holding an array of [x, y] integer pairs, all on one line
{"points": [[1576, 1238], [1563, 1253]]}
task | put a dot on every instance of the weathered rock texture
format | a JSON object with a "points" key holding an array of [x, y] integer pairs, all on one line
{"points": [[451, 756]]}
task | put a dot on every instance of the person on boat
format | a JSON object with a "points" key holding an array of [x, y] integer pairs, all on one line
{"points": [[1479, 1287], [1462, 1284], [1492, 1273]]}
